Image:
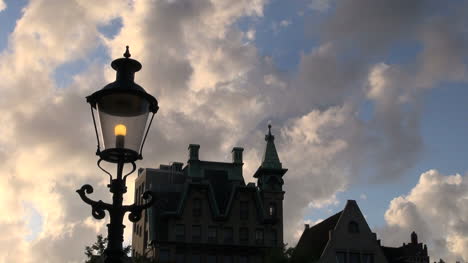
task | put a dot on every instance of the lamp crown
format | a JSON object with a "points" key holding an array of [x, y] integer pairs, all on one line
{"points": [[126, 67]]}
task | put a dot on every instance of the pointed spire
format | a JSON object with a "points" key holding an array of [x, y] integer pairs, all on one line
{"points": [[270, 157], [414, 238]]}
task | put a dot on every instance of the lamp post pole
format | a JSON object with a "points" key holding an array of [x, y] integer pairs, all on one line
{"points": [[120, 104]]}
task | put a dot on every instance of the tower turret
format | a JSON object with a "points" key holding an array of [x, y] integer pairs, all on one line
{"points": [[271, 171], [414, 238]]}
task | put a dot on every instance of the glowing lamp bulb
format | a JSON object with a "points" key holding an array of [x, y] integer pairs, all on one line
{"points": [[120, 131]]}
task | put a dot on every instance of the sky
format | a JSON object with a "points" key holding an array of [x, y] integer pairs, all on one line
{"points": [[367, 99]]}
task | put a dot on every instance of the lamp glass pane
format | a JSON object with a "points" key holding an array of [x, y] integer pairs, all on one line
{"points": [[123, 119]]}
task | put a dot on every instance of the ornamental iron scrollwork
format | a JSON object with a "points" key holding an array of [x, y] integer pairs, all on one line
{"points": [[118, 188]]}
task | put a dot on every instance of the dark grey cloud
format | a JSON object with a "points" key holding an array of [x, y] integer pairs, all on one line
{"points": [[370, 26]]}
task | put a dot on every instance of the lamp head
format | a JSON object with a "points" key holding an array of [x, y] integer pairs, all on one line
{"points": [[119, 105]]}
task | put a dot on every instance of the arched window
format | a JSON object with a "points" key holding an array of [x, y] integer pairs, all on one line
{"points": [[353, 227]]}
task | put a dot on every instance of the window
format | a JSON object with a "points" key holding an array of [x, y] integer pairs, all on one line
{"points": [[180, 257], [211, 259], [274, 237], [244, 234], [353, 227], [164, 255], [227, 259], [228, 234], [244, 210], [196, 232], [259, 236], [137, 193], [145, 239], [341, 257], [272, 210], [180, 232], [196, 258], [243, 259], [368, 258], [212, 233], [197, 207], [355, 258]]}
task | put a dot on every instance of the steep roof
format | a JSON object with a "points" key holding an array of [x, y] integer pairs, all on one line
{"points": [[270, 162], [314, 239], [270, 157]]}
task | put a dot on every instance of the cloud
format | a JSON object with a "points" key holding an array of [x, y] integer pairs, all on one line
{"points": [[396, 120], [437, 209], [316, 154], [214, 89], [285, 23], [49, 134], [371, 25], [3, 6], [320, 5]]}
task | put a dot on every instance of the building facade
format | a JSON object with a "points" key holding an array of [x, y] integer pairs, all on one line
{"points": [[205, 212], [413, 252], [342, 238], [346, 238]]}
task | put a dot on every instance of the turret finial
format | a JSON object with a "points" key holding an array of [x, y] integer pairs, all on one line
{"points": [[127, 53], [269, 136]]}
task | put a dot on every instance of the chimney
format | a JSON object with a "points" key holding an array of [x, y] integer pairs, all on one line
{"points": [[176, 166], [306, 226], [193, 152], [237, 155]]}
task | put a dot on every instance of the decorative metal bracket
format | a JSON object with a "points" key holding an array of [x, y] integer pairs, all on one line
{"points": [[99, 207], [136, 210]]}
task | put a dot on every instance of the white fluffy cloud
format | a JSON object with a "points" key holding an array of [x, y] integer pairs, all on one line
{"points": [[3, 6], [437, 209], [315, 150]]}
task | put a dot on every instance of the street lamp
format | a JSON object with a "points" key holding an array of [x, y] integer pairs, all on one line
{"points": [[122, 113]]}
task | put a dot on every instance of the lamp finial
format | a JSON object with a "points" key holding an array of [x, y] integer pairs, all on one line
{"points": [[127, 52], [269, 128]]}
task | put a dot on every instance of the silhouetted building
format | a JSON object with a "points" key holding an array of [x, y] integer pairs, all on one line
{"points": [[346, 237], [205, 212], [343, 237], [413, 252]]}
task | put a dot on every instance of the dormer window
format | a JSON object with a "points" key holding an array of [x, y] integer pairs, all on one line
{"points": [[353, 227]]}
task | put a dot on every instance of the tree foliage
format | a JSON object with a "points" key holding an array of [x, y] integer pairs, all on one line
{"points": [[95, 252], [279, 255]]}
